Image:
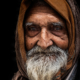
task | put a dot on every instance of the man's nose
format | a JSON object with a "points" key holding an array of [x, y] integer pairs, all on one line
{"points": [[45, 39]]}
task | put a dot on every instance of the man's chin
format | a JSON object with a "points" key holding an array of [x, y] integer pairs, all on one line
{"points": [[45, 64], [44, 68]]}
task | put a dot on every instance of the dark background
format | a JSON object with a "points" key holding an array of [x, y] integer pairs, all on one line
{"points": [[11, 11]]}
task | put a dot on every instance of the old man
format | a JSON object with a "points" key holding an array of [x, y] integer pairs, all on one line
{"points": [[47, 40]]}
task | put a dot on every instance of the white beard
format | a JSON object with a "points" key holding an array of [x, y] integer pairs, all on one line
{"points": [[42, 67]]}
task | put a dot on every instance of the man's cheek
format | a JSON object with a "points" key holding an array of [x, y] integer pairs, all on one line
{"points": [[29, 45], [30, 42], [61, 42]]}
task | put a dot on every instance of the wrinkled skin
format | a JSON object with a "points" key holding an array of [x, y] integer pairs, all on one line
{"points": [[40, 31]]}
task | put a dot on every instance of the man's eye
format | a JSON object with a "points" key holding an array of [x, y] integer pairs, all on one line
{"points": [[32, 29], [58, 28]]}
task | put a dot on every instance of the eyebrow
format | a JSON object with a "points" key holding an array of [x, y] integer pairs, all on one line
{"points": [[53, 23], [29, 23], [57, 23]]}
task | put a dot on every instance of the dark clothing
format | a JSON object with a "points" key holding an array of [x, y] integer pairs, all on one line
{"points": [[78, 71]]}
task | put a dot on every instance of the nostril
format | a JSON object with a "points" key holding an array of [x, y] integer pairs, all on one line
{"points": [[37, 42], [53, 43], [43, 47]]}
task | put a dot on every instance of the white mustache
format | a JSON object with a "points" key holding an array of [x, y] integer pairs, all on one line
{"points": [[38, 65], [52, 50]]}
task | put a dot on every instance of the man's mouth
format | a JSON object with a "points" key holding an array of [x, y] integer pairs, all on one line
{"points": [[43, 53], [45, 63], [52, 52], [50, 55]]}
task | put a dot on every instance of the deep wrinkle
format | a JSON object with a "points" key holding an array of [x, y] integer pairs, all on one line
{"points": [[42, 20], [48, 23], [29, 24]]}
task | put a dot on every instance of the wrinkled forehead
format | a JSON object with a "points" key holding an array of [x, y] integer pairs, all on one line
{"points": [[41, 7]]}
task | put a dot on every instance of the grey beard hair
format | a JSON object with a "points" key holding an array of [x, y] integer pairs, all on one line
{"points": [[45, 64]]}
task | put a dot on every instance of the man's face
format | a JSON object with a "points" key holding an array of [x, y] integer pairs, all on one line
{"points": [[44, 28], [46, 41]]}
